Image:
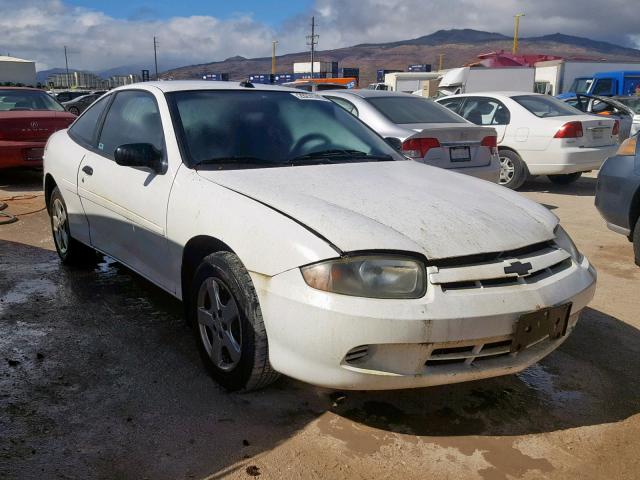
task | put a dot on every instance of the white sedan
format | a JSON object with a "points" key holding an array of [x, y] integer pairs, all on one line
{"points": [[539, 134], [302, 243]]}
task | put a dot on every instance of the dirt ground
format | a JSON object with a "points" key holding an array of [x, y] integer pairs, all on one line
{"points": [[100, 378]]}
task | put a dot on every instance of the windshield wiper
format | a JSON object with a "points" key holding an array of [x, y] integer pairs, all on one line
{"points": [[238, 160], [337, 156]]}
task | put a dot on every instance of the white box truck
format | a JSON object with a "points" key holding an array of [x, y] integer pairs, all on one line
{"points": [[483, 79], [408, 82], [556, 77]]}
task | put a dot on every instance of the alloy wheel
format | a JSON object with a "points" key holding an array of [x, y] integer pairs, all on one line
{"points": [[60, 227], [507, 170], [219, 324]]}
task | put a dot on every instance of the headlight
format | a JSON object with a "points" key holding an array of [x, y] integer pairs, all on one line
{"points": [[369, 276], [563, 240]]}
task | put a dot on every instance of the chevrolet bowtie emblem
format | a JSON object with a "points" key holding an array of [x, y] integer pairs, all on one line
{"points": [[518, 268]]}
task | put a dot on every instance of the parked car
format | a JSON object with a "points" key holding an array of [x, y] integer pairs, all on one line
{"points": [[79, 104], [539, 135], [605, 106], [302, 243], [618, 192], [69, 95], [426, 131], [28, 117], [633, 103]]}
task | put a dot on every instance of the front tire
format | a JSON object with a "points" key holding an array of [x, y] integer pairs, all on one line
{"points": [[229, 329], [70, 251], [513, 171], [565, 179]]}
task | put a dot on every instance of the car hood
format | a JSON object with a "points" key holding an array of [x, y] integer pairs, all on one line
{"points": [[401, 205]]}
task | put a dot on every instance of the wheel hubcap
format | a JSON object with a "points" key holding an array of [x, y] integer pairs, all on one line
{"points": [[60, 227], [507, 170], [219, 324]]}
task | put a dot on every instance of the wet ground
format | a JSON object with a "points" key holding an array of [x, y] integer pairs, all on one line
{"points": [[100, 378]]}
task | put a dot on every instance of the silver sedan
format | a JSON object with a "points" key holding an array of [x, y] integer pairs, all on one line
{"points": [[427, 131]]}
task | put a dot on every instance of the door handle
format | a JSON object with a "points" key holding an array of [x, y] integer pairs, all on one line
{"points": [[87, 169]]}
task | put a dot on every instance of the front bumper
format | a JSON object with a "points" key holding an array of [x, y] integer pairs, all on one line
{"points": [[313, 334], [21, 154], [566, 160]]}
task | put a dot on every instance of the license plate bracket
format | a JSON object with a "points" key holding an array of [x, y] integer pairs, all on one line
{"points": [[534, 326], [460, 154]]}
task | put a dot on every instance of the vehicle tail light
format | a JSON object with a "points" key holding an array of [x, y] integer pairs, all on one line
{"points": [[628, 147], [418, 147], [492, 142], [616, 128], [570, 130]]}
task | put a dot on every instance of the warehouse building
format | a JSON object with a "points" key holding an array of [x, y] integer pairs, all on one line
{"points": [[17, 71]]}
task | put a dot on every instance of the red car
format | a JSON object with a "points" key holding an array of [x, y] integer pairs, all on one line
{"points": [[28, 117]]}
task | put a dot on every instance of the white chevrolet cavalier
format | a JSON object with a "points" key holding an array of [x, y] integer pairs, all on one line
{"points": [[300, 242]]}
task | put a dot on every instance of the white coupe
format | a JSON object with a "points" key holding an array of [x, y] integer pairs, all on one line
{"points": [[301, 243], [539, 134]]}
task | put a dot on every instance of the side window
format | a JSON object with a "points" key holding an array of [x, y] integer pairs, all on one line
{"points": [[452, 103], [132, 118], [486, 111], [83, 129], [347, 105], [603, 86]]}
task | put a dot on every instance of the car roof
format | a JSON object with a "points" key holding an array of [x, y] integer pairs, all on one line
{"points": [[187, 85], [23, 88], [366, 93], [493, 94]]}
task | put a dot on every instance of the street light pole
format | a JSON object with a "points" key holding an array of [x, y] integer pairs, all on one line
{"points": [[155, 55], [516, 29], [273, 57], [66, 63]]}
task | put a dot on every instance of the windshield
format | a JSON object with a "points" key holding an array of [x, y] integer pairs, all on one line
{"points": [[27, 100], [260, 128], [544, 106], [632, 102], [403, 110], [581, 85]]}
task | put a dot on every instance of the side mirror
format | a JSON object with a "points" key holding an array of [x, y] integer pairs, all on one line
{"points": [[142, 155], [394, 142]]}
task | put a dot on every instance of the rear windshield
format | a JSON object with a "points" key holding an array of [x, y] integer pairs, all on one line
{"points": [[405, 110], [27, 100], [544, 106]]}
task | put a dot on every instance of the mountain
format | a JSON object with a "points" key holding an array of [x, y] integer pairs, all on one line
{"points": [[458, 46]]}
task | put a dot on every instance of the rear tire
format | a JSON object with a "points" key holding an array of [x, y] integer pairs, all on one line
{"points": [[231, 336], [70, 251], [636, 242], [513, 171], [74, 110], [565, 179]]}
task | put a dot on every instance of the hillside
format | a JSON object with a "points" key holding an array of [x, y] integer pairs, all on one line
{"points": [[458, 46]]}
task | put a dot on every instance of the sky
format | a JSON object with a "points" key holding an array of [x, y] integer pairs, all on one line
{"points": [[103, 34]]}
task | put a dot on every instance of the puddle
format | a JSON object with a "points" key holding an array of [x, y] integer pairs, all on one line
{"points": [[27, 290], [540, 380]]}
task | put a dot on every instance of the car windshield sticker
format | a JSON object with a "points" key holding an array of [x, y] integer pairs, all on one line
{"points": [[101, 146], [308, 96]]}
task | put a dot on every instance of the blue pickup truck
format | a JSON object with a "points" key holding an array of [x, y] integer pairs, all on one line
{"points": [[606, 84]]}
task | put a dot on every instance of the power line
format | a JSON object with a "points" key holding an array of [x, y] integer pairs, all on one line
{"points": [[312, 40]]}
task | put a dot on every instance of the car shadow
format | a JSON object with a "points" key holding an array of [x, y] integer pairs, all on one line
{"points": [[21, 180], [100, 377], [584, 187]]}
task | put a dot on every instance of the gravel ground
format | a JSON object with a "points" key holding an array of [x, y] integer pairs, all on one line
{"points": [[100, 378]]}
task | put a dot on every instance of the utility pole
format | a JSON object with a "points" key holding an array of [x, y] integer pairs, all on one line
{"points": [[155, 55], [312, 40], [66, 63], [516, 29], [440, 61], [273, 57]]}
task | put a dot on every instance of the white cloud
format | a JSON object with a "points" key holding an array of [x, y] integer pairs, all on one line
{"points": [[38, 29]]}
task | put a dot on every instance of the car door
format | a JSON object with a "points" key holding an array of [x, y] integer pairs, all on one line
{"points": [[488, 112], [126, 206]]}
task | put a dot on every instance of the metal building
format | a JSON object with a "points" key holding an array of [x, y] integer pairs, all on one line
{"points": [[17, 71]]}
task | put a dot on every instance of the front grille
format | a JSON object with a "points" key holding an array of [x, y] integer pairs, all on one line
{"points": [[542, 262], [468, 354]]}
